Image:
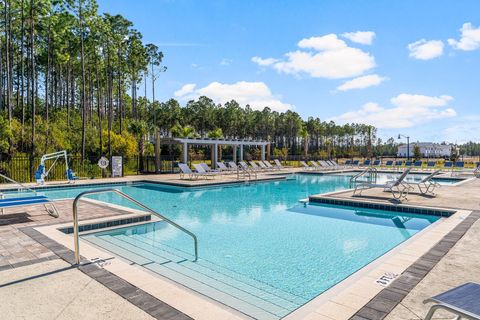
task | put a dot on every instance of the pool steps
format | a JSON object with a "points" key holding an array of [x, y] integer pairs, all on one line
{"points": [[251, 297]]}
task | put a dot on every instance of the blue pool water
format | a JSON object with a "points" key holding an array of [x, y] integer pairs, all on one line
{"points": [[256, 240]]}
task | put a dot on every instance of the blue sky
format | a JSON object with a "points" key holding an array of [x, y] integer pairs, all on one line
{"points": [[414, 68]]}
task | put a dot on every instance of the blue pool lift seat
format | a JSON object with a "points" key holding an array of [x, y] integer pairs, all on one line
{"points": [[463, 301], [40, 174], [71, 177]]}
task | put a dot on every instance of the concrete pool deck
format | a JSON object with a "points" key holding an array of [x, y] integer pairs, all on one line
{"points": [[20, 253]]}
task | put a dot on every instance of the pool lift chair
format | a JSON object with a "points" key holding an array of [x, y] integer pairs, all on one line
{"points": [[42, 173]]}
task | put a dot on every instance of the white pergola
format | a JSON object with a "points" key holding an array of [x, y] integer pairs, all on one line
{"points": [[219, 142]]}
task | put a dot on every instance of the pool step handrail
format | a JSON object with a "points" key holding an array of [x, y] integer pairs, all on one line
{"points": [[138, 203], [245, 172], [372, 176], [20, 186]]}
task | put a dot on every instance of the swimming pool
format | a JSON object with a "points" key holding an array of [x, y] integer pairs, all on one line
{"points": [[260, 251]]}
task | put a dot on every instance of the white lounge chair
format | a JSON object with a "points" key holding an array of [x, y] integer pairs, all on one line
{"points": [[326, 165], [398, 189], [278, 164], [207, 168], [263, 166], [427, 185], [185, 170], [269, 165], [254, 166], [202, 172], [245, 166], [233, 166], [317, 166], [335, 164], [306, 166], [223, 168]]}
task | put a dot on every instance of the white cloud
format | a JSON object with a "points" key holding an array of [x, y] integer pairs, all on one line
{"points": [[264, 62], [470, 39], [255, 94], [370, 80], [185, 90], [324, 43], [226, 62], [329, 58], [362, 37], [426, 50], [408, 110], [464, 130]]}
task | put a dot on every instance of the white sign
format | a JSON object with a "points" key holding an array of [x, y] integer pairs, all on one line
{"points": [[103, 162], [117, 166]]}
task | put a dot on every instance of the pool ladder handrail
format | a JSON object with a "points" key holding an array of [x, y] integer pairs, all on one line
{"points": [[138, 203], [372, 175], [21, 186], [245, 173]]}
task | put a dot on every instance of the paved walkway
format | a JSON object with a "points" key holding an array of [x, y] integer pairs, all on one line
{"points": [[55, 290], [460, 265]]}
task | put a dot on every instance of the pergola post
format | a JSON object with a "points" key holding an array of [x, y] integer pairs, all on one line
{"points": [[215, 156], [241, 152], [185, 152], [263, 152], [235, 154]]}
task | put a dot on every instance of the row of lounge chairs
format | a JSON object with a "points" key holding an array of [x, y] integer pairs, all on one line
{"points": [[448, 165], [202, 170], [400, 189], [321, 165]]}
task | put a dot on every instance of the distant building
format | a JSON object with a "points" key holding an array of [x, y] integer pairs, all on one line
{"points": [[427, 149]]}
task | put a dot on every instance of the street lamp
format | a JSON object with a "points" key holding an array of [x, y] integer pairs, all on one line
{"points": [[408, 144]]}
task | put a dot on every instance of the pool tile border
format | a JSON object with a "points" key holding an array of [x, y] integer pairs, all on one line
{"points": [[387, 299], [107, 224], [136, 296], [382, 206]]}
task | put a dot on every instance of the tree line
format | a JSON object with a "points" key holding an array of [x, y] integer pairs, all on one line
{"points": [[73, 78]]}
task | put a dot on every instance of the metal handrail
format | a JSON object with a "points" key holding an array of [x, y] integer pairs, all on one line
{"points": [[245, 173], [17, 183], [373, 174], [75, 219]]}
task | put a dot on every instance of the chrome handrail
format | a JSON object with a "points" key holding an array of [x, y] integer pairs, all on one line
{"points": [[17, 183], [120, 193], [371, 170]]}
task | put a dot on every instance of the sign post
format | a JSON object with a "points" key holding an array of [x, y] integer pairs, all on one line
{"points": [[117, 166]]}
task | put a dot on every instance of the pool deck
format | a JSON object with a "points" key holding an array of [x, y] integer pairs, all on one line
{"points": [[35, 268]]}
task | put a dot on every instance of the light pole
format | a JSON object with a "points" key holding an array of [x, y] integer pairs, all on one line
{"points": [[408, 144]]}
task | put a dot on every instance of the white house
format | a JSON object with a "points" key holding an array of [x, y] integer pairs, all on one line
{"points": [[427, 149]]}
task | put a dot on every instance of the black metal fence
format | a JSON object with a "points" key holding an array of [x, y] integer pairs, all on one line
{"points": [[22, 169]]}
